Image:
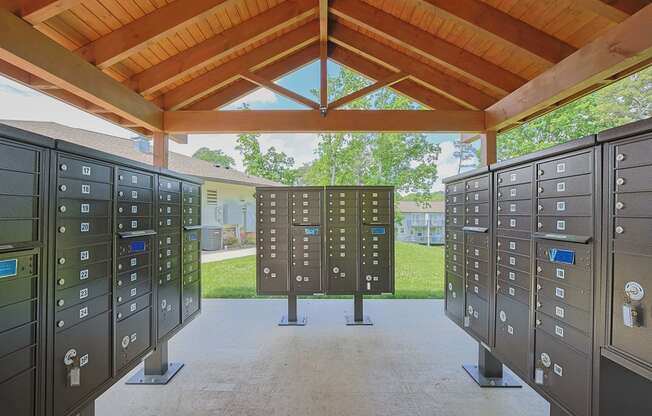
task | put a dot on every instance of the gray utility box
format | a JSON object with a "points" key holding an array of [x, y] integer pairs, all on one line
{"points": [[336, 240], [99, 264], [546, 264], [211, 238]]}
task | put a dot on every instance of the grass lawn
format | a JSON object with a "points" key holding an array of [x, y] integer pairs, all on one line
{"points": [[419, 275]]}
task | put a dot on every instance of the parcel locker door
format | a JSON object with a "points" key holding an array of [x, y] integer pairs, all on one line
{"points": [[477, 312], [455, 297], [191, 299], [169, 311], [512, 333], [133, 337]]}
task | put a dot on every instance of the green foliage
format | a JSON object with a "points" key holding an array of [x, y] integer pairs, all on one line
{"points": [[622, 102], [217, 157], [272, 164], [419, 275]]}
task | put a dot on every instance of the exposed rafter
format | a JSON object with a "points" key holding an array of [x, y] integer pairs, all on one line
{"points": [[137, 35], [615, 10], [593, 66], [243, 87], [495, 22], [323, 54], [426, 44], [409, 88], [384, 82], [38, 11], [270, 85], [221, 45], [441, 82], [212, 80], [350, 121]]}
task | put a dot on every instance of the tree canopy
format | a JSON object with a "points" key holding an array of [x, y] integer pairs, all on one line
{"points": [[217, 157], [272, 164]]}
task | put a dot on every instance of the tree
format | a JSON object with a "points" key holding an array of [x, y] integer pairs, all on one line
{"points": [[272, 165], [622, 102], [217, 157]]}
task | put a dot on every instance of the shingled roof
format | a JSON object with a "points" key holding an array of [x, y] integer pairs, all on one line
{"points": [[127, 148]]}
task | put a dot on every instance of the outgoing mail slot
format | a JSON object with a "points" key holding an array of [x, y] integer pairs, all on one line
{"points": [[131, 246], [18, 183], [169, 197], [582, 226], [477, 310], [134, 262], [513, 261], [169, 311], [514, 192], [573, 186], [168, 185], [131, 291], [477, 196], [578, 318], [576, 297], [139, 209], [190, 301], [68, 318], [565, 373], [455, 297], [515, 277], [569, 206], [515, 176], [68, 277], [132, 338], [512, 333], [126, 310], [477, 184], [81, 169], [568, 166], [514, 292], [134, 179], [78, 294], [520, 207], [89, 341], [74, 230], [72, 208], [132, 194], [84, 190], [513, 245], [563, 333], [514, 223]]}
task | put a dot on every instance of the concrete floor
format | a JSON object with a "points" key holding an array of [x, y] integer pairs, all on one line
{"points": [[239, 362]]}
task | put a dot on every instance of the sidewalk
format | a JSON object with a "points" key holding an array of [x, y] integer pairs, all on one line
{"points": [[210, 256]]}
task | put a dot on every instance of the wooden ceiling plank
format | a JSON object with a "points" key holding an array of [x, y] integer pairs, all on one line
{"points": [[409, 88], [38, 11], [303, 121], [135, 36], [384, 82], [263, 55], [426, 44], [220, 46], [30, 50], [323, 54], [424, 73], [622, 47], [242, 87], [270, 85], [486, 18], [614, 10]]}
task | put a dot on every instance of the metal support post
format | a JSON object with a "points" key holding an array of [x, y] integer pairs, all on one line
{"points": [[489, 371], [157, 369], [292, 319], [89, 410], [557, 411], [358, 317]]}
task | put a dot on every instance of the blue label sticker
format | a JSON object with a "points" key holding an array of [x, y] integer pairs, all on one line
{"points": [[378, 230], [193, 237], [8, 268], [311, 231], [137, 246], [558, 255]]}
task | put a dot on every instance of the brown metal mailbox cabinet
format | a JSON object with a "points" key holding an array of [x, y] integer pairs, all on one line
{"points": [[455, 305], [376, 249], [272, 240], [306, 235], [191, 249], [24, 162], [342, 239]]}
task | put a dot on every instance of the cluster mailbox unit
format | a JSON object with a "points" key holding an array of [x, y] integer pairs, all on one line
{"points": [[332, 240], [98, 269], [548, 260]]}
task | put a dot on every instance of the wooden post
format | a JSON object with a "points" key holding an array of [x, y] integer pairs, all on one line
{"points": [[161, 149], [488, 148]]}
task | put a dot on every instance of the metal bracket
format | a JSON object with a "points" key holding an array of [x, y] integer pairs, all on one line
{"points": [[489, 371], [358, 317], [157, 370], [323, 110], [291, 319]]}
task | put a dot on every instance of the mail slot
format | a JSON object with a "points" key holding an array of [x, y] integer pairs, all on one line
{"points": [[168, 185], [572, 275], [18, 231], [169, 251], [568, 206], [512, 291], [17, 314], [75, 295], [17, 338], [173, 210], [477, 239], [478, 183], [168, 310], [133, 276], [478, 253], [563, 333], [68, 318], [477, 265], [476, 209], [578, 318], [632, 230], [169, 197], [168, 264], [18, 183], [514, 192], [134, 224], [134, 179], [513, 245], [124, 311], [455, 188], [136, 209], [84, 190], [131, 291], [69, 277], [17, 362], [190, 189], [191, 300], [19, 158], [190, 278], [132, 338], [455, 221], [574, 296], [18, 394], [515, 277], [454, 235], [567, 166], [477, 221], [513, 261], [572, 186], [632, 204], [580, 226], [75, 257], [133, 194], [133, 262], [514, 223], [73, 208], [83, 169], [515, 207], [512, 333], [477, 196], [633, 179], [478, 278], [478, 289], [515, 176]]}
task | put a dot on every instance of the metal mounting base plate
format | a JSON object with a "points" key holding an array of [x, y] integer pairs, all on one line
{"points": [[141, 378], [350, 320], [506, 381], [301, 321]]}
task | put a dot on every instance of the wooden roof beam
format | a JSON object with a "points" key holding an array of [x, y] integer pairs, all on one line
{"points": [[270, 85], [600, 62], [439, 81], [263, 55], [497, 23], [409, 88], [426, 44], [384, 82], [243, 87], [38, 11], [304, 121], [614, 10], [30, 50], [221, 45], [137, 35], [323, 54]]}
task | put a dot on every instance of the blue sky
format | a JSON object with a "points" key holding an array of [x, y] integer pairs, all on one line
{"points": [[18, 102]]}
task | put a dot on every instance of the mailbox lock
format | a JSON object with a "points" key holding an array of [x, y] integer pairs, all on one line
{"points": [[336, 269], [60, 324], [61, 282], [119, 298], [539, 225], [538, 287], [62, 229], [540, 189], [62, 208], [538, 322], [620, 181], [545, 360], [539, 304], [539, 269], [500, 208], [121, 193], [60, 302], [620, 157], [620, 230], [500, 194], [368, 277], [125, 342], [634, 291], [500, 180], [63, 167], [63, 188], [540, 207], [62, 260], [119, 315], [68, 359], [620, 205], [121, 177], [540, 172]]}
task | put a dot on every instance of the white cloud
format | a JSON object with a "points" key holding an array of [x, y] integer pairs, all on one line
{"points": [[260, 96], [447, 164]]}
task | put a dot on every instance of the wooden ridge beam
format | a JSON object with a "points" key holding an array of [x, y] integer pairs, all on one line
{"points": [[263, 55], [242, 87], [137, 35], [602, 61], [497, 23], [384, 82], [312, 121], [270, 85], [221, 45], [28, 49], [409, 88], [426, 44], [614, 10], [323, 54], [439, 81]]}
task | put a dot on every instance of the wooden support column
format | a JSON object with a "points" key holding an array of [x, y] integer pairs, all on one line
{"points": [[488, 154], [161, 149]]}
